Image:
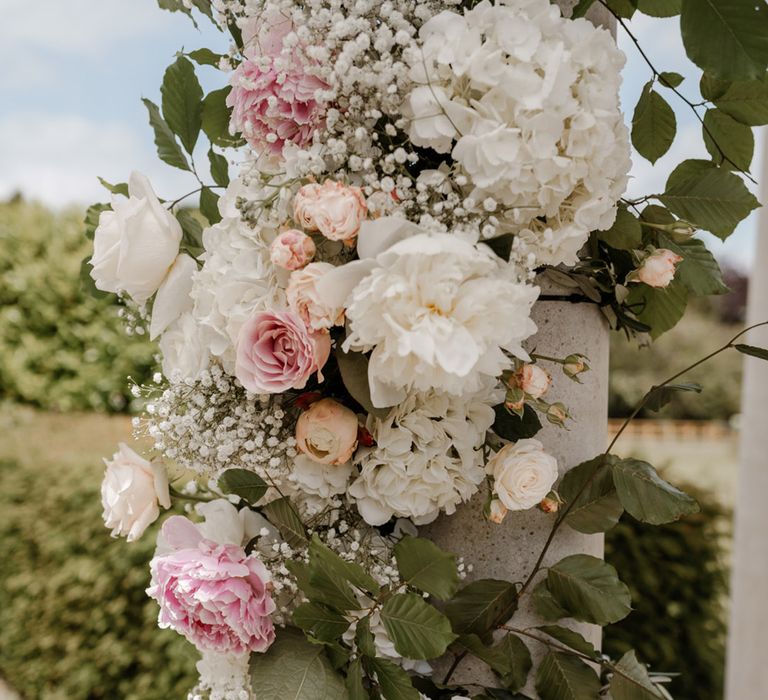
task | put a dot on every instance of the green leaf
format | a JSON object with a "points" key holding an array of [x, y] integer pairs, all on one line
{"points": [[509, 659], [423, 565], [282, 515], [395, 683], [294, 669], [354, 373], [119, 188], [320, 621], [631, 681], [322, 556], [205, 7], [571, 639], [176, 6], [623, 8], [670, 79], [249, 486], [417, 629], [698, 271], [546, 607], [355, 688], [481, 605], [209, 205], [595, 507], [661, 308], [660, 8], [168, 149], [589, 589], [501, 245], [626, 232], [692, 168], [510, 426], [751, 350], [92, 216], [655, 214], [364, 640], [182, 102], [192, 239], [653, 125], [646, 496], [722, 131], [660, 396], [581, 9], [745, 101], [216, 118], [712, 88], [87, 283], [219, 168], [205, 57], [564, 677], [726, 38]]}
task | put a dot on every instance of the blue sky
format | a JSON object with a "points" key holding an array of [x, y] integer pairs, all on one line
{"points": [[74, 72]]}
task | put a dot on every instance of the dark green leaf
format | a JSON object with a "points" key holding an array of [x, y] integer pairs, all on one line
{"points": [[712, 88], [655, 214], [688, 169], [582, 7], [753, 351], [670, 79], [726, 38], [320, 621], [176, 6], [646, 496], [168, 148], [355, 688], [423, 565], [564, 677], [626, 232], [209, 205], [589, 589], [205, 57], [395, 683], [547, 608], [219, 168], [417, 629], [205, 7], [119, 188], [182, 102], [323, 556], [481, 605], [571, 639], [595, 506], [729, 142], [623, 8], [294, 669], [216, 118], [631, 681], [660, 8], [354, 373], [501, 245], [660, 396], [92, 216], [698, 271], [653, 125], [249, 486], [364, 640], [282, 515], [510, 426], [661, 308], [509, 659], [192, 239], [745, 101]]}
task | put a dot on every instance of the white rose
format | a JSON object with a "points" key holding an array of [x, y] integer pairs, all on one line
{"points": [[135, 243], [523, 474], [174, 296], [184, 350], [304, 300], [131, 493]]}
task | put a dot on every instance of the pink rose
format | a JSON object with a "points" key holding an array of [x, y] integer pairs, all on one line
{"points": [[304, 300], [332, 208], [533, 380], [658, 269], [213, 594], [273, 105], [327, 432], [292, 250], [276, 352]]}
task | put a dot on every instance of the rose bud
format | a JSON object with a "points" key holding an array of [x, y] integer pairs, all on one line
{"points": [[523, 474], [533, 380], [292, 250], [497, 511], [551, 502], [658, 269], [557, 413], [515, 400], [327, 432], [575, 365]]}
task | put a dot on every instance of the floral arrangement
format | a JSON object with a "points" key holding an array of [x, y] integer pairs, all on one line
{"points": [[342, 334]]}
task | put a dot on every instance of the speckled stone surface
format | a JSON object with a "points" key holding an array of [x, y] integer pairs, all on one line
{"points": [[509, 551]]}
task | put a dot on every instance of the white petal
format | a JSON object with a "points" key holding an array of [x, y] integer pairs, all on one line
{"points": [[173, 298]]}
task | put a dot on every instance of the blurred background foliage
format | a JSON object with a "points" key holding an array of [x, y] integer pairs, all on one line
{"points": [[75, 623]]}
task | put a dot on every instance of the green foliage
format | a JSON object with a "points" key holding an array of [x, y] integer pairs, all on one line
{"points": [[425, 566], [678, 580], [245, 483], [60, 348], [589, 486], [416, 628], [653, 125], [75, 623], [564, 677], [182, 102]]}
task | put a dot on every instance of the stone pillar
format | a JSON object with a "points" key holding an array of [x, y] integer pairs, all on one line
{"points": [[747, 675], [509, 551]]}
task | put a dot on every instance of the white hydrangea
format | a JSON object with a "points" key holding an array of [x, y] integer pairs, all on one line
{"points": [[438, 313], [427, 457], [319, 485], [222, 677], [527, 103]]}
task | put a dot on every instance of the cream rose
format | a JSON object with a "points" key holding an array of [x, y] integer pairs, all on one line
{"points": [[304, 300], [292, 250], [327, 432], [533, 380], [523, 474], [135, 243], [658, 269], [131, 493], [332, 208]]}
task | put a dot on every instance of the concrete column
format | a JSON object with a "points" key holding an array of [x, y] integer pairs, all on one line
{"points": [[747, 675]]}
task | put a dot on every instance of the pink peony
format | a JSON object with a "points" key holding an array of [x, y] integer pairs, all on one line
{"points": [[273, 105], [334, 209], [292, 250], [276, 352], [213, 594]]}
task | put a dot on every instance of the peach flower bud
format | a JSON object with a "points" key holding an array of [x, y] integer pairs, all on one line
{"points": [[497, 511], [658, 269], [327, 432], [533, 380], [557, 413], [292, 250], [551, 502], [334, 209], [575, 365]]}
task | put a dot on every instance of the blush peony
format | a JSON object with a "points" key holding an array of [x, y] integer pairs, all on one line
{"points": [[213, 594]]}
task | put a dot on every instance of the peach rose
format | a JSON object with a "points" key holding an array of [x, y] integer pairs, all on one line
{"points": [[292, 250], [533, 380], [327, 432], [304, 300], [334, 209], [658, 269]]}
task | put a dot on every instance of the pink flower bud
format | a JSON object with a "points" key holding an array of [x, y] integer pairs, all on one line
{"points": [[533, 380], [292, 250], [327, 432], [658, 269]]}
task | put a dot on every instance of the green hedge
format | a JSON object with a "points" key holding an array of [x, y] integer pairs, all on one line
{"points": [[75, 623], [59, 348]]}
